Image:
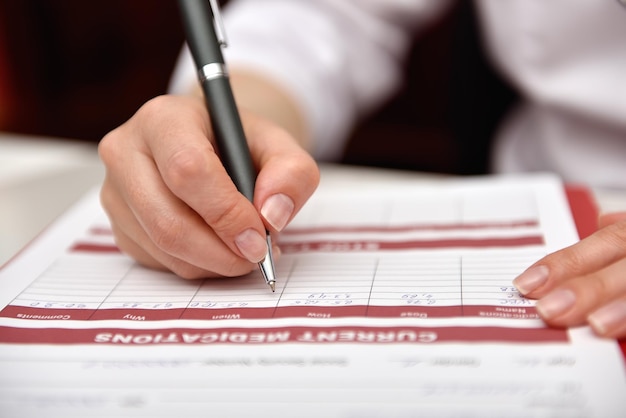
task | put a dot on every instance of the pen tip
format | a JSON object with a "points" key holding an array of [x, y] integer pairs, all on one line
{"points": [[267, 266]]}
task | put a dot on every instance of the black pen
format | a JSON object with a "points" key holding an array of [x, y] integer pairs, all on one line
{"points": [[205, 37]]}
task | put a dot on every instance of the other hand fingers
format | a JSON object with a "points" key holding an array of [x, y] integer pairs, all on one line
{"points": [[572, 302], [594, 253]]}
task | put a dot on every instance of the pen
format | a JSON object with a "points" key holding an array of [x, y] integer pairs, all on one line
{"points": [[205, 37]]}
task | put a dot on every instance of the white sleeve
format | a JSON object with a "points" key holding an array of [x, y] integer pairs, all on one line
{"points": [[337, 58]]}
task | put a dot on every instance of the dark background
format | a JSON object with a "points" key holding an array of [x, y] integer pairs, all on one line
{"points": [[79, 68]]}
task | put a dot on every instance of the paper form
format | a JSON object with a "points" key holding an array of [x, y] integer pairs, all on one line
{"points": [[390, 301]]}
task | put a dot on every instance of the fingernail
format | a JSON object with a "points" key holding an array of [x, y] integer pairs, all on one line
{"points": [[277, 210], [556, 303], [252, 245], [608, 318], [531, 279]]}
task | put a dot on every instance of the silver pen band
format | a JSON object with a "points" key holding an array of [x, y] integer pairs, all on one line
{"points": [[211, 71]]}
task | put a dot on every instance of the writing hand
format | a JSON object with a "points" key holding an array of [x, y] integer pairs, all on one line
{"points": [[584, 283], [173, 206]]}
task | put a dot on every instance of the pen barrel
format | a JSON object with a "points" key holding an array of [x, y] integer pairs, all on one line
{"points": [[229, 135], [198, 20], [201, 36]]}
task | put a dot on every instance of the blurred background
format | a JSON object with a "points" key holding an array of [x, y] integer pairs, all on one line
{"points": [[78, 68]]}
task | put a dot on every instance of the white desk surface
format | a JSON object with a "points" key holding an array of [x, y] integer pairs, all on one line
{"points": [[41, 177]]}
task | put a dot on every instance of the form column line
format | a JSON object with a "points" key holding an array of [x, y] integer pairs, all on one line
{"points": [[369, 296], [280, 296], [104, 300]]}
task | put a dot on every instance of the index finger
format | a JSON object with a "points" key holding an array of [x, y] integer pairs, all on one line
{"points": [[192, 170], [596, 252]]}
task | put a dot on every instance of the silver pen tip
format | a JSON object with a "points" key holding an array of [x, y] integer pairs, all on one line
{"points": [[267, 269], [267, 266]]}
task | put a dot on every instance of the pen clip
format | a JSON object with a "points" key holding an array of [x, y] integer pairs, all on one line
{"points": [[218, 23]]}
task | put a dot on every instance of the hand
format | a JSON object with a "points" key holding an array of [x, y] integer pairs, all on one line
{"points": [[173, 206], [584, 283]]}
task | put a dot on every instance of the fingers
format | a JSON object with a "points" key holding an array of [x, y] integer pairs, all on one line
{"points": [[585, 282], [610, 319], [599, 250], [142, 206], [611, 218], [571, 303], [192, 171], [288, 177], [202, 253], [171, 203]]}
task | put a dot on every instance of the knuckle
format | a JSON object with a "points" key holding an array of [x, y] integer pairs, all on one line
{"points": [[229, 214], [618, 234], [304, 169], [107, 148], [167, 234], [106, 198], [575, 261], [590, 291], [185, 164], [598, 288], [565, 262], [310, 169], [154, 106]]}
